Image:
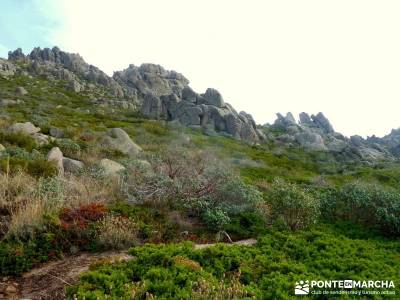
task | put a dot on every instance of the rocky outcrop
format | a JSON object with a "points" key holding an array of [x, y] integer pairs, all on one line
{"points": [[7, 68], [70, 67], [316, 133], [286, 121], [174, 100], [166, 95], [322, 122], [117, 139], [156, 92], [391, 142], [16, 55], [31, 130], [151, 79]]}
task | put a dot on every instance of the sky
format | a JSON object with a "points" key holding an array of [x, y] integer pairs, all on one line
{"points": [[340, 57]]}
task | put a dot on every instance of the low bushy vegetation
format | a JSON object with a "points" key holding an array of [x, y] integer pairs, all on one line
{"points": [[370, 205], [266, 271], [291, 205]]}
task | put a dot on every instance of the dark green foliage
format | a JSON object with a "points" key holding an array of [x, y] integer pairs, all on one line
{"points": [[17, 257], [292, 205], [41, 168], [18, 139], [268, 270], [370, 205], [38, 167], [246, 225]]}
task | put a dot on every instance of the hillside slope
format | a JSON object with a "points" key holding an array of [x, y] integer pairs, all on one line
{"points": [[95, 163]]}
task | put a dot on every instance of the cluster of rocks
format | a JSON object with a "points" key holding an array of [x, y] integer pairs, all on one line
{"points": [[7, 68], [81, 76], [118, 104], [166, 95], [156, 92], [206, 111], [116, 139], [316, 133], [31, 130], [390, 141]]}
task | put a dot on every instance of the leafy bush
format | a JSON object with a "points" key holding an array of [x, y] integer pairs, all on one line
{"points": [[216, 218], [294, 206], [116, 232], [371, 205]]}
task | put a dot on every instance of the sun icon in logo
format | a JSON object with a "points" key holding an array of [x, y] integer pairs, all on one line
{"points": [[302, 288]]}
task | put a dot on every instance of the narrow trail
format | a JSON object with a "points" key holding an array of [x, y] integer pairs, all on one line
{"points": [[48, 281]]}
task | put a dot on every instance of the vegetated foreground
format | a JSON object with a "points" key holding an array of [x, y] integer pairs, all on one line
{"points": [[80, 176]]}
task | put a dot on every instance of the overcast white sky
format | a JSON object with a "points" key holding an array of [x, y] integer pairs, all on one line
{"points": [[338, 57]]}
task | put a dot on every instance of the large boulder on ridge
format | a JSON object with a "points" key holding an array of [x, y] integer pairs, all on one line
{"points": [[117, 139]]}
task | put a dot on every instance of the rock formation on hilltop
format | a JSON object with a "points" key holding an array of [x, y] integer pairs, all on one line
{"points": [[316, 133], [156, 92], [166, 95]]}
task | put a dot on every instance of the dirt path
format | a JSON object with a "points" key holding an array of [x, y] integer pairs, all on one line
{"points": [[248, 242], [48, 281]]}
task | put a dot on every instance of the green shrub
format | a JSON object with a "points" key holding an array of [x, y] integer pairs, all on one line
{"points": [[18, 139], [37, 167], [216, 218], [371, 205], [267, 270], [294, 206], [41, 168], [246, 225], [68, 146], [17, 257], [229, 199]]}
